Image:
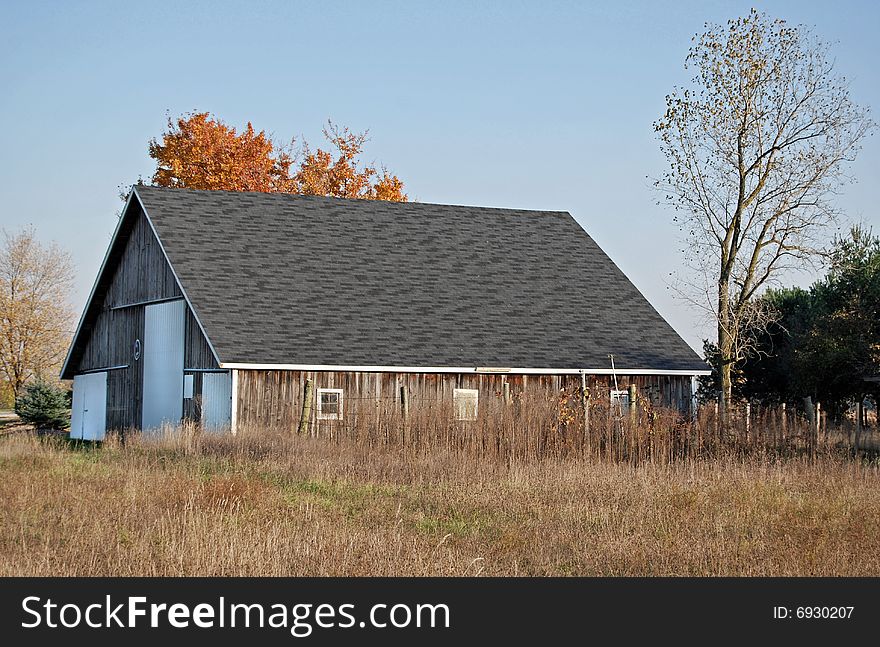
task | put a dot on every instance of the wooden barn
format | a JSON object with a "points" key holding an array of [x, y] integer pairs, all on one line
{"points": [[218, 306]]}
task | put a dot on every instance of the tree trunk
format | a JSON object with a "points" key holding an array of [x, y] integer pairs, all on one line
{"points": [[725, 347], [306, 414]]}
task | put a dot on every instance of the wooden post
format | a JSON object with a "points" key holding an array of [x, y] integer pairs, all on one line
{"points": [[717, 423], [633, 397], [817, 420], [306, 414], [748, 421], [377, 425], [585, 407], [505, 390], [404, 402], [858, 440], [404, 409], [784, 423], [825, 427], [810, 409]]}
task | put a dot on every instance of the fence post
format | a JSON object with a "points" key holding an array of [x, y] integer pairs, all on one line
{"points": [[784, 423], [404, 402], [505, 391], [858, 425], [748, 421], [404, 410], [585, 405], [633, 412], [817, 421], [717, 423], [306, 414]]}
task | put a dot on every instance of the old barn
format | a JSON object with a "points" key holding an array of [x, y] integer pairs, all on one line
{"points": [[218, 306]]}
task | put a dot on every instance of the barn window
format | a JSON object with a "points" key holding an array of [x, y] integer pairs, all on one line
{"points": [[620, 400], [465, 403], [329, 404], [188, 386]]}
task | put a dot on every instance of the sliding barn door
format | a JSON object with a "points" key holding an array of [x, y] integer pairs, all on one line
{"points": [[163, 363], [216, 401], [88, 415]]}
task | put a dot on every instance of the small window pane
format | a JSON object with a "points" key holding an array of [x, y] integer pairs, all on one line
{"points": [[465, 402], [329, 404], [620, 399], [188, 386]]}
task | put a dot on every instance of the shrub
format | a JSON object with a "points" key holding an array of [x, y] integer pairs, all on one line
{"points": [[7, 399], [45, 406]]}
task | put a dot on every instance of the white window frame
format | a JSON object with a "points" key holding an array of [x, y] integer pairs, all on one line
{"points": [[460, 400], [188, 386], [328, 416], [620, 397]]}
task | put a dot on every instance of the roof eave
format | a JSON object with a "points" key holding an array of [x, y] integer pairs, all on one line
{"points": [[462, 369]]}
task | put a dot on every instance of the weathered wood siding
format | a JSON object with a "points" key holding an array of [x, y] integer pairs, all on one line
{"points": [[197, 351], [137, 274], [143, 274], [274, 398], [192, 409], [124, 385]]}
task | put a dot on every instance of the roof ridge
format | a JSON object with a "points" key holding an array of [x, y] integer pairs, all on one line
{"points": [[360, 201]]}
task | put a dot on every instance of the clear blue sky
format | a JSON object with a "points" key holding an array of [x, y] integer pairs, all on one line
{"points": [[533, 105]]}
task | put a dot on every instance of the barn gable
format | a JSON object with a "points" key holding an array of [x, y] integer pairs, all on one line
{"points": [[109, 339]]}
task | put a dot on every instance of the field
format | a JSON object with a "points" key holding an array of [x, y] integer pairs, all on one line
{"points": [[272, 504]]}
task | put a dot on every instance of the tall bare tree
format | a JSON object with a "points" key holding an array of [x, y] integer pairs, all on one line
{"points": [[36, 320], [757, 145]]}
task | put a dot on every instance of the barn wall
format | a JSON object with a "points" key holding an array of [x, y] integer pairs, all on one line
{"points": [[274, 398], [192, 406], [139, 275], [197, 359], [197, 352], [143, 273]]}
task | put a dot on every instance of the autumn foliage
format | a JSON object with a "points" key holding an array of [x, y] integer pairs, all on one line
{"points": [[323, 173], [199, 151], [36, 320]]}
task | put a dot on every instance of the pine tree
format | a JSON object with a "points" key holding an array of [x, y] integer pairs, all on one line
{"points": [[45, 406]]}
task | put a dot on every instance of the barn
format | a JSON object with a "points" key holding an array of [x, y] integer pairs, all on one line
{"points": [[219, 307]]}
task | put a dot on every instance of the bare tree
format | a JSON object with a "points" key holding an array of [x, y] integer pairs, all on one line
{"points": [[36, 320], [757, 145]]}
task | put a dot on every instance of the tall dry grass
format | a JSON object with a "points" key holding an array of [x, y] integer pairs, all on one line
{"points": [[564, 426], [269, 503]]}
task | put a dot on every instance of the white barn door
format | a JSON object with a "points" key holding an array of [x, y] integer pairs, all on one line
{"points": [[216, 401], [88, 415], [163, 363]]}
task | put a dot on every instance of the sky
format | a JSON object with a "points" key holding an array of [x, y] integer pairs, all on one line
{"points": [[534, 105]]}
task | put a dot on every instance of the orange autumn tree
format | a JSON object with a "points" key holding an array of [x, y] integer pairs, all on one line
{"points": [[323, 173], [199, 151]]}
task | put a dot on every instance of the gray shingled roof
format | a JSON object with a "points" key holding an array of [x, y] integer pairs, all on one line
{"points": [[281, 279]]}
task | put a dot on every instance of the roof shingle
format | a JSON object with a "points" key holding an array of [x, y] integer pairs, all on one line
{"points": [[282, 279]]}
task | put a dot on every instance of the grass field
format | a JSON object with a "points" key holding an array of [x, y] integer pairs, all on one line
{"points": [[279, 505]]}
